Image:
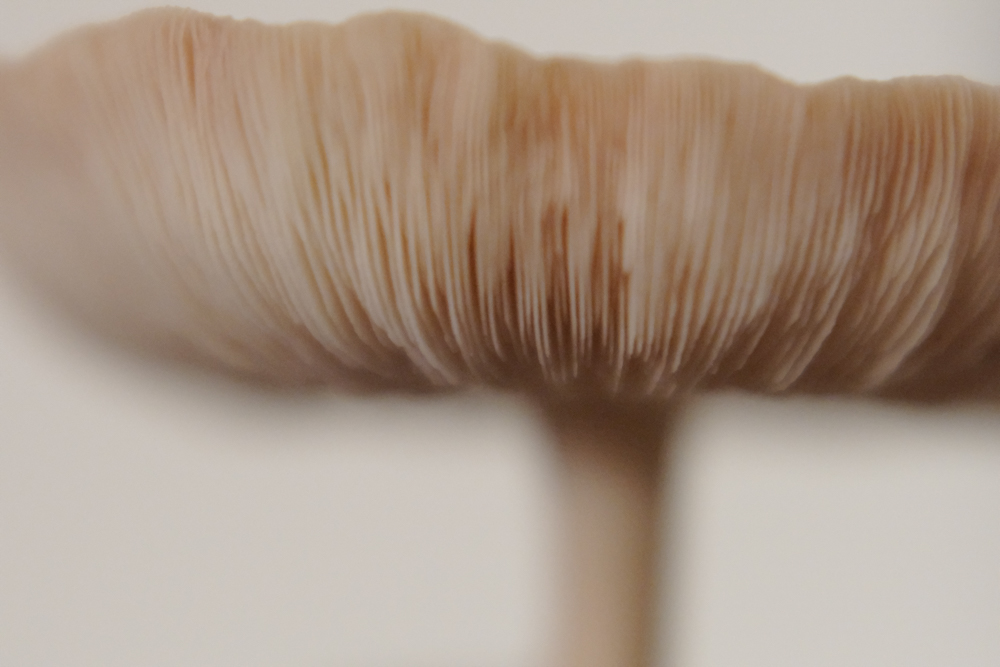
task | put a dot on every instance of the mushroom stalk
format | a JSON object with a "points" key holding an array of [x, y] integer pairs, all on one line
{"points": [[611, 465]]}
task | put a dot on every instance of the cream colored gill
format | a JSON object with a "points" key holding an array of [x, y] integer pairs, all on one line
{"points": [[395, 200]]}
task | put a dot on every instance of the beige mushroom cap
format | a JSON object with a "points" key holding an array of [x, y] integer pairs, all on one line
{"points": [[394, 200]]}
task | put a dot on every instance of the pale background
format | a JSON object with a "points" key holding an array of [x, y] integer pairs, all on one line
{"points": [[148, 518]]}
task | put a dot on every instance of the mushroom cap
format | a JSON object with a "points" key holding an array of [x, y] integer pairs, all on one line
{"points": [[395, 202]]}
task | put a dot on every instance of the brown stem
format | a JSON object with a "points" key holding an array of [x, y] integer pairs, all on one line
{"points": [[611, 465]]}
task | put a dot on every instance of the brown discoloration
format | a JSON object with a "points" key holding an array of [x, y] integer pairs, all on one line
{"points": [[394, 199]]}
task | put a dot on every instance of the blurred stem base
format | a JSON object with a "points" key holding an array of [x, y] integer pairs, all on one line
{"points": [[611, 465]]}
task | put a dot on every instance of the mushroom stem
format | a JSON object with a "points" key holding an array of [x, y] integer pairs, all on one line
{"points": [[611, 466]]}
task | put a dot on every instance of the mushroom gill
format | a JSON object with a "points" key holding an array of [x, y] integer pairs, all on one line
{"points": [[395, 199]]}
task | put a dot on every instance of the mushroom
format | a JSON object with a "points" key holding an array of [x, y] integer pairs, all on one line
{"points": [[395, 203]]}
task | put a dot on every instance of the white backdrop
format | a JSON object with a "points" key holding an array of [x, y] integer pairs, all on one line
{"points": [[152, 518]]}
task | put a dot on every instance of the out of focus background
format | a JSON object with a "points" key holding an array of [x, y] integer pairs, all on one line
{"points": [[149, 517]]}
